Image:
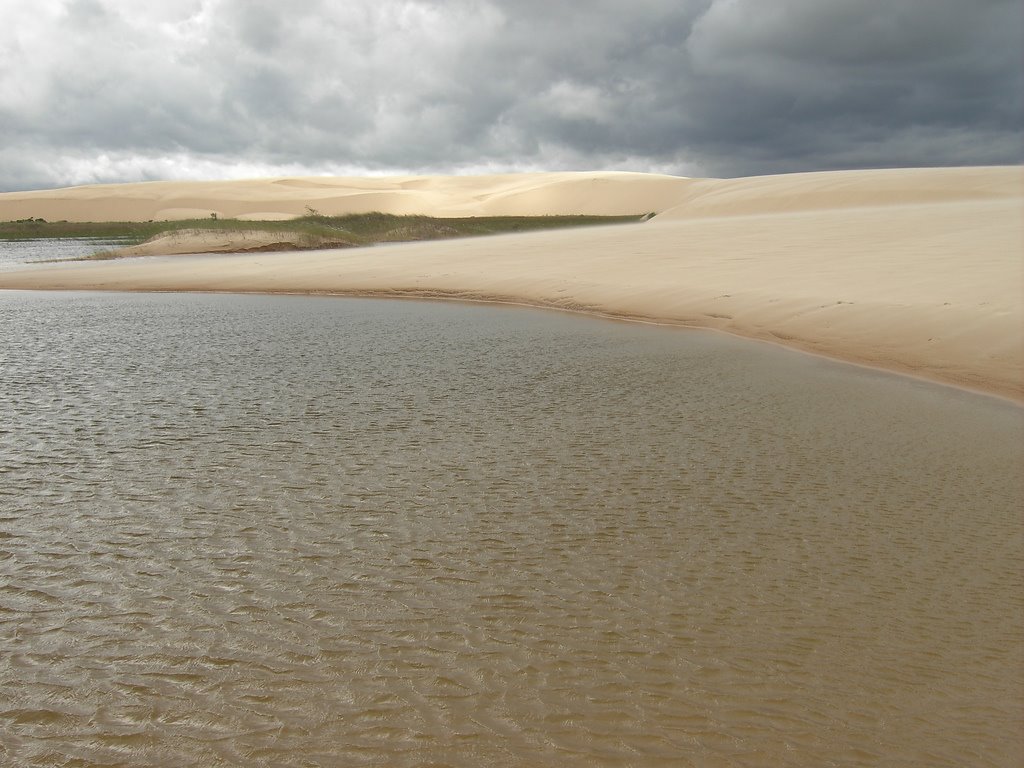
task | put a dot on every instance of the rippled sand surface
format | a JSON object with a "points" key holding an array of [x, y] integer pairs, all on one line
{"points": [[291, 532]]}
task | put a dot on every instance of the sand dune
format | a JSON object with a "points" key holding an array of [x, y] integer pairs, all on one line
{"points": [[919, 271], [192, 241], [527, 194], [857, 189]]}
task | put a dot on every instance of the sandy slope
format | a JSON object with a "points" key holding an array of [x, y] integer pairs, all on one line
{"points": [[919, 271], [526, 194], [189, 241]]}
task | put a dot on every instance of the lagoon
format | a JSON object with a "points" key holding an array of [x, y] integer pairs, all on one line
{"points": [[254, 530]]}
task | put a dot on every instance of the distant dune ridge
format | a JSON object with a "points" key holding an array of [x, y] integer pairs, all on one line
{"points": [[914, 270], [526, 194]]}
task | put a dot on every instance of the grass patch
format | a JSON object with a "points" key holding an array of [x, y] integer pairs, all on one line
{"points": [[352, 230]]}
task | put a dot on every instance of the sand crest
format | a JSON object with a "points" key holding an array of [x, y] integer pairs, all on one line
{"points": [[919, 271], [525, 194]]}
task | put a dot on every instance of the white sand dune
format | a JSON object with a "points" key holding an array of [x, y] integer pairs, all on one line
{"points": [[191, 241], [919, 271], [527, 194]]}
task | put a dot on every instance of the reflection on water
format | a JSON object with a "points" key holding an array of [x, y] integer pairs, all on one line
{"points": [[285, 531]]}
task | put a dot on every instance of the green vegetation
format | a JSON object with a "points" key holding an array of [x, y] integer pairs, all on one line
{"points": [[351, 230]]}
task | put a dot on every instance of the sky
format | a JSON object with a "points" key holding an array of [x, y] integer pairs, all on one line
{"points": [[95, 91]]}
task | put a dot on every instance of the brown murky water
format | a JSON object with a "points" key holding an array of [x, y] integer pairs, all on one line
{"points": [[270, 531]]}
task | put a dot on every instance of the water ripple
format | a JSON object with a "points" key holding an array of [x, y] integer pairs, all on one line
{"points": [[278, 531]]}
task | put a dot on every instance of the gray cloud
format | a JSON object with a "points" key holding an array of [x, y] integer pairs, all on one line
{"points": [[112, 90]]}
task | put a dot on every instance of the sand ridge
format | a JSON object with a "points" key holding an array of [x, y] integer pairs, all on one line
{"points": [[918, 271], [525, 194]]}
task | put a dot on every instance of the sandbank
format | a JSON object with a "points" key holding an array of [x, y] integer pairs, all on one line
{"points": [[190, 241], [919, 271]]}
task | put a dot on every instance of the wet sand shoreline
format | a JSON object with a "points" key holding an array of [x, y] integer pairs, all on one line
{"points": [[929, 282]]}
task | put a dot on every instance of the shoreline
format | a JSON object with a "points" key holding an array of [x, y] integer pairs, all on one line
{"points": [[661, 323], [928, 282], [1010, 397]]}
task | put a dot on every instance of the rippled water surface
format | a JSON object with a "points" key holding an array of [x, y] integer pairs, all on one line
{"points": [[18, 253], [282, 531]]}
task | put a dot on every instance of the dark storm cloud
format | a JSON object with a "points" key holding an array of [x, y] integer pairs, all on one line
{"points": [[861, 83], [105, 90]]}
